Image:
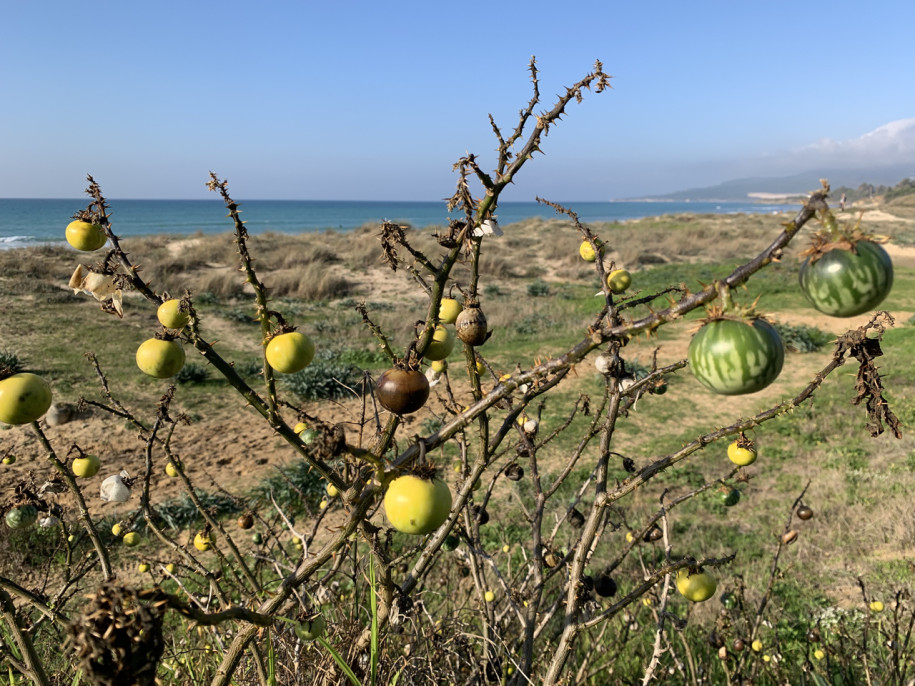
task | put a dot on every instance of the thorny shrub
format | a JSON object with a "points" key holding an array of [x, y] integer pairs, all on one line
{"points": [[257, 587]]}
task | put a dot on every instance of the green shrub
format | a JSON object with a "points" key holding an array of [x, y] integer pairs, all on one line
{"points": [[192, 373], [10, 361], [538, 288], [326, 378], [802, 338]]}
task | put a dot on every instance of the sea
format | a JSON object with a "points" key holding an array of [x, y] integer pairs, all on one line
{"points": [[31, 221]]}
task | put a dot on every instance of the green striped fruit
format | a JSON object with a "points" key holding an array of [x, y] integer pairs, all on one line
{"points": [[842, 283], [734, 357]]}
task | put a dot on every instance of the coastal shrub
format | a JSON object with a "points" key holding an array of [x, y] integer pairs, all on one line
{"points": [[326, 378], [553, 520], [800, 338], [11, 362], [192, 373]]}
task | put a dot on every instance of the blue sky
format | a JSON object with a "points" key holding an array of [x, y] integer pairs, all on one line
{"points": [[368, 100]]}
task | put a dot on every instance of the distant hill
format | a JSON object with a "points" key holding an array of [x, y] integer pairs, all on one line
{"points": [[797, 184]]}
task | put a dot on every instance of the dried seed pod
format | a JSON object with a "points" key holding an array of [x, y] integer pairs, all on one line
{"points": [[605, 586], [607, 363], [653, 534], [471, 325], [576, 519], [789, 537], [551, 559], [514, 472], [722, 653], [804, 512]]}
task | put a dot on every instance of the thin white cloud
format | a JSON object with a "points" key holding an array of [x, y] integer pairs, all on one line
{"points": [[889, 145]]}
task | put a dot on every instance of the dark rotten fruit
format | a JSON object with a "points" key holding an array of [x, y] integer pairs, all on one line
{"points": [[734, 357], [471, 326], [402, 391], [842, 283]]}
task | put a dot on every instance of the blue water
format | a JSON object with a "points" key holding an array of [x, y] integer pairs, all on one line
{"points": [[26, 222]]}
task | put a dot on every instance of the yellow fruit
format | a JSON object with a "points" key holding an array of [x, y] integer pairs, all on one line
{"points": [[86, 466], [756, 645], [116, 529], [818, 654], [24, 397], [170, 316], [131, 538], [203, 542], [587, 251], [489, 596], [171, 470], [696, 585], [332, 491], [876, 606], [170, 568], [448, 310], [439, 366], [506, 548], [442, 344], [481, 369], [741, 456], [417, 506], [300, 427], [290, 352], [160, 359], [630, 537], [323, 505], [85, 236], [619, 280], [142, 568]]}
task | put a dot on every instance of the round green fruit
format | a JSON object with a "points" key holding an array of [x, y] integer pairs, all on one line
{"points": [[619, 280], [697, 585], [170, 316], [441, 345], [21, 517], [160, 359], [312, 628], [734, 357], [730, 497], [842, 283], [24, 398]]}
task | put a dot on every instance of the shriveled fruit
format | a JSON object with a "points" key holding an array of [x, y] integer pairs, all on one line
{"points": [[804, 512], [159, 358], [604, 586], [402, 391], [415, 505], [290, 352], [246, 521], [471, 325], [24, 398]]}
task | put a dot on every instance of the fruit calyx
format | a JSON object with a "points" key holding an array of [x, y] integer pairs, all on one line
{"points": [[743, 441], [833, 237]]}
